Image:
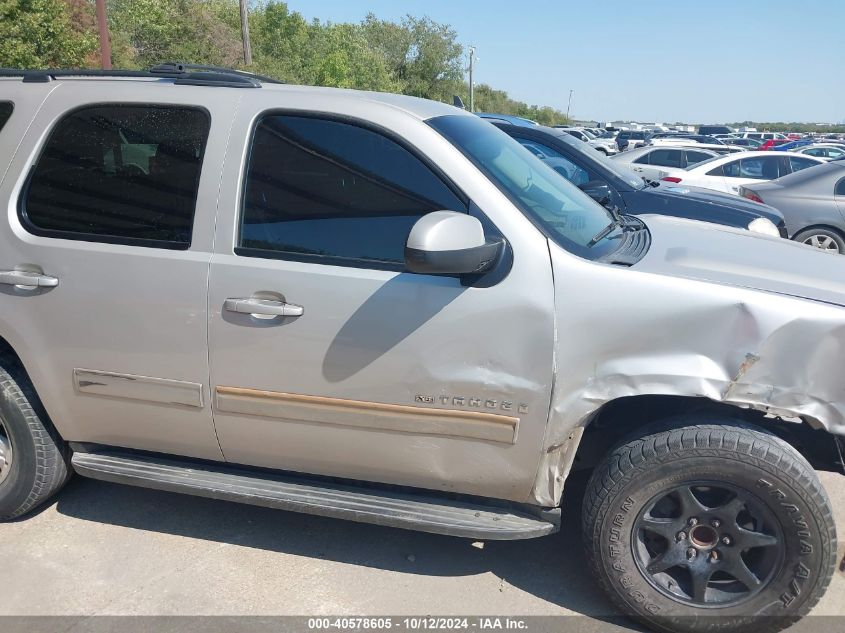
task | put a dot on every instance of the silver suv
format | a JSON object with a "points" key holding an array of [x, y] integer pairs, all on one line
{"points": [[384, 309]]}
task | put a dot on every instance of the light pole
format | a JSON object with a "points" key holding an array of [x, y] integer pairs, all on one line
{"points": [[103, 24], [471, 85], [569, 105]]}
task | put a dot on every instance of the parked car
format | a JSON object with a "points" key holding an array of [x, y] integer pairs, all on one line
{"points": [[749, 143], [825, 151], [384, 309], [765, 136], [629, 139], [728, 173], [812, 202], [792, 145], [650, 161], [776, 143], [714, 130], [605, 146], [613, 184], [507, 118]]}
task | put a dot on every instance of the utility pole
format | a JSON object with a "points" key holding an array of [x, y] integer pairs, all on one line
{"points": [[245, 33], [471, 85], [569, 105], [103, 24]]}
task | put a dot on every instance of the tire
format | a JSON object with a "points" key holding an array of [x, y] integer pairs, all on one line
{"points": [[636, 509], [824, 239], [34, 465]]}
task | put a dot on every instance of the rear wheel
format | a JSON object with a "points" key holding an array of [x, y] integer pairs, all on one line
{"points": [[33, 459], [710, 527], [825, 239]]}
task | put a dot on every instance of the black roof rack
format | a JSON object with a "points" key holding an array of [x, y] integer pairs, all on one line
{"points": [[182, 74]]}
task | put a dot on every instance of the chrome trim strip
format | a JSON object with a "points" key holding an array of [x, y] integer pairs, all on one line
{"points": [[374, 416], [146, 388]]}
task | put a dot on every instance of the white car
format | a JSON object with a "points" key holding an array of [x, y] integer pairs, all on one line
{"points": [[655, 162], [718, 148], [606, 146], [764, 136], [728, 173], [825, 151]]}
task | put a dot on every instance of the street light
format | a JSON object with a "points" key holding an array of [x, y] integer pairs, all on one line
{"points": [[569, 105], [472, 60]]}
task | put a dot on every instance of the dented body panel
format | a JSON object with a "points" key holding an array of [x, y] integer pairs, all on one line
{"points": [[689, 320]]}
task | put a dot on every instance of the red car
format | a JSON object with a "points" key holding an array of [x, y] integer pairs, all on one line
{"points": [[772, 143]]}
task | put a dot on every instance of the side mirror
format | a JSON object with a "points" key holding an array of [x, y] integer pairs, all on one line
{"points": [[446, 242], [598, 190]]}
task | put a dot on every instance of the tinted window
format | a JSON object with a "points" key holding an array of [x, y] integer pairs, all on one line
{"points": [[126, 174], [324, 189], [840, 188], [796, 163], [666, 157], [694, 158], [759, 168], [5, 112]]}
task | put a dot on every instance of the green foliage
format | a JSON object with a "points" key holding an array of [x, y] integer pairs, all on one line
{"points": [[39, 34], [781, 126], [489, 100], [415, 56]]}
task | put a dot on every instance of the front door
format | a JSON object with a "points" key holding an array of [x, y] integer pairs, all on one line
{"points": [[327, 358]]}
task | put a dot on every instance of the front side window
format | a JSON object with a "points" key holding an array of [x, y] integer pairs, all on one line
{"points": [[119, 173], [334, 192], [5, 112]]}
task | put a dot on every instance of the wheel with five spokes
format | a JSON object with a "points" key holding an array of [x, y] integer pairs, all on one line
{"points": [[710, 527], [827, 240]]}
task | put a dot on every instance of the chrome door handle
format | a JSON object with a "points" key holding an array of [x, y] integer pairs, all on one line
{"points": [[264, 307], [27, 279]]}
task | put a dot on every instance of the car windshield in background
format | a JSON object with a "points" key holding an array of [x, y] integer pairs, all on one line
{"points": [[565, 213]]}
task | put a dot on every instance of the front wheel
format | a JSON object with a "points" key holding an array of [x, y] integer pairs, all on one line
{"points": [[710, 527]]}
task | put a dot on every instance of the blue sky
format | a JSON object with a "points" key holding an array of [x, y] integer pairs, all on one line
{"points": [[703, 61]]}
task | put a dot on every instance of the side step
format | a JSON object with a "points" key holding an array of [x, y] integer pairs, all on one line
{"points": [[298, 494]]}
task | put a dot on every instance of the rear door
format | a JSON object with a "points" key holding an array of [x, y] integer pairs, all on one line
{"points": [[375, 374], [110, 202]]}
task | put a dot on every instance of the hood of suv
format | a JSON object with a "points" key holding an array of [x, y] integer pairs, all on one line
{"points": [[721, 254]]}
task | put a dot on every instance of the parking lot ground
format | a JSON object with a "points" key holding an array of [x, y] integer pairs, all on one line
{"points": [[106, 549]]}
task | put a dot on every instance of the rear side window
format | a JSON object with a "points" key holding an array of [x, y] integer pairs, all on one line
{"points": [[840, 188], [333, 192], [796, 163], [666, 157], [5, 112], [123, 174], [758, 168]]}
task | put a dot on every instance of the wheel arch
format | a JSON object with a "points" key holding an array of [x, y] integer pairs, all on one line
{"points": [[819, 225], [628, 416]]}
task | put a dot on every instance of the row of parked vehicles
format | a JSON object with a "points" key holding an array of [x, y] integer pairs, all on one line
{"points": [[386, 309], [800, 189]]}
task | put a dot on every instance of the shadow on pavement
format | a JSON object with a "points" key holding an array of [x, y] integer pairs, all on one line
{"points": [[552, 568]]}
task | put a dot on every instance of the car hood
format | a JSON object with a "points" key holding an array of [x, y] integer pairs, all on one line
{"points": [[724, 255], [718, 199]]}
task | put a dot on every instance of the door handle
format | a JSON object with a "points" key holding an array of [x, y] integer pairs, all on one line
{"points": [[27, 279], [263, 307]]}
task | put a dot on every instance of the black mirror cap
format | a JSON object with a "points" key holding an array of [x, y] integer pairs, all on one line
{"points": [[598, 190], [468, 261]]}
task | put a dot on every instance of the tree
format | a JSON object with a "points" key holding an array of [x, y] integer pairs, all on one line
{"points": [[39, 34]]}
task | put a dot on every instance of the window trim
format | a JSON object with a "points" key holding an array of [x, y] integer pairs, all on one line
{"points": [[33, 229], [330, 260]]}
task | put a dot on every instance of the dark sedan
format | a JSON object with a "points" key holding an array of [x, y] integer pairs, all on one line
{"points": [[812, 202], [614, 185]]}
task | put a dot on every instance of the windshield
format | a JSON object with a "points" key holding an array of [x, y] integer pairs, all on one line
{"points": [[564, 213], [590, 136]]}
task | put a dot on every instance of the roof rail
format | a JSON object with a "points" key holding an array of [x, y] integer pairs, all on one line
{"points": [[182, 74]]}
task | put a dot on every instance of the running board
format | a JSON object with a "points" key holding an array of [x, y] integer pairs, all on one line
{"points": [[421, 512]]}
